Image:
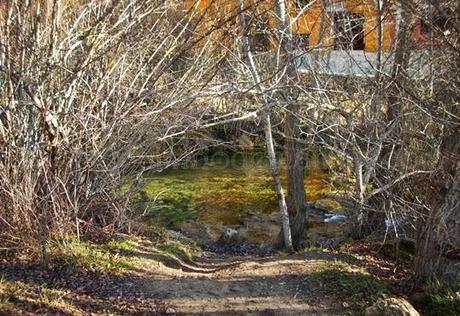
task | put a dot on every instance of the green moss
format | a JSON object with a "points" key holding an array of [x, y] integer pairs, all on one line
{"points": [[211, 195], [164, 204]]}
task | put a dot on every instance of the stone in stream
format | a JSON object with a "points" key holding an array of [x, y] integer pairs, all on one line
{"points": [[256, 235], [325, 229], [315, 214], [234, 241]]}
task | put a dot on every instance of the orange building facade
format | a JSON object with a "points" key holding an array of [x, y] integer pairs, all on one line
{"points": [[315, 24]]}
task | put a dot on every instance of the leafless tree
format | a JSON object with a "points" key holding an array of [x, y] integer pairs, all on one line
{"points": [[267, 104], [89, 98], [396, 129]]}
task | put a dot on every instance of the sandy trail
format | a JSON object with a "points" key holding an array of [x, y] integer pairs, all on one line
{"points": [[242, 286], [207, 285]]}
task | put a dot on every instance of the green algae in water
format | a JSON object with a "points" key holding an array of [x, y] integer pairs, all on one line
{"points": [[165, 202], [223, 190]]}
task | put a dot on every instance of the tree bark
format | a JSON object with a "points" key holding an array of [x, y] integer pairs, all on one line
{"points": [[295, 170], [283, 210], [294, 153], [431, 227]]}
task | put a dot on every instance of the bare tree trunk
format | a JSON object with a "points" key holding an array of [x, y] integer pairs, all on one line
{"points": [[294, 153], [431, 235], [295, 171], [401, 61], [359, 192], [431, 228], [283, 209], [286, 229]]}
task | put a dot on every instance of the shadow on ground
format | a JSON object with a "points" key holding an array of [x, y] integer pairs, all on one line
{"points": [[277, 285]]}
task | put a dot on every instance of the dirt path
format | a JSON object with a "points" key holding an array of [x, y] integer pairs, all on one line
{"points": [[207, 285], [247, 286]]}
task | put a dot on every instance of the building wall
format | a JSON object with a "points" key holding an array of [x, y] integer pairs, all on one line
{"points": [[316, 21]]}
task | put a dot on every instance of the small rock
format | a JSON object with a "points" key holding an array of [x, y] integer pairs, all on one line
{"points": [[229, 236], [170, 311], [392, 306]]}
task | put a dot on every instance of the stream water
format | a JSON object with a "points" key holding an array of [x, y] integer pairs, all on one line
{"points": [[225, 190]]}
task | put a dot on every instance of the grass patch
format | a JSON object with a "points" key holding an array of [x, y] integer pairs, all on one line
{"points": [[55, 300], [355, 286], [444, 302], [120, 256], [178, 250], [95, 257], [124, 244], [18, 297], [111, 259], [4, 293]]}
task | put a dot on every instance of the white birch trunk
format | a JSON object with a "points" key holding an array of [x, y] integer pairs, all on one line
{"points": [[268, 134]]}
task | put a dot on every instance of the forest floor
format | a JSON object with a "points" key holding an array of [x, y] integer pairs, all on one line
{"points": [[140, 277]]}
